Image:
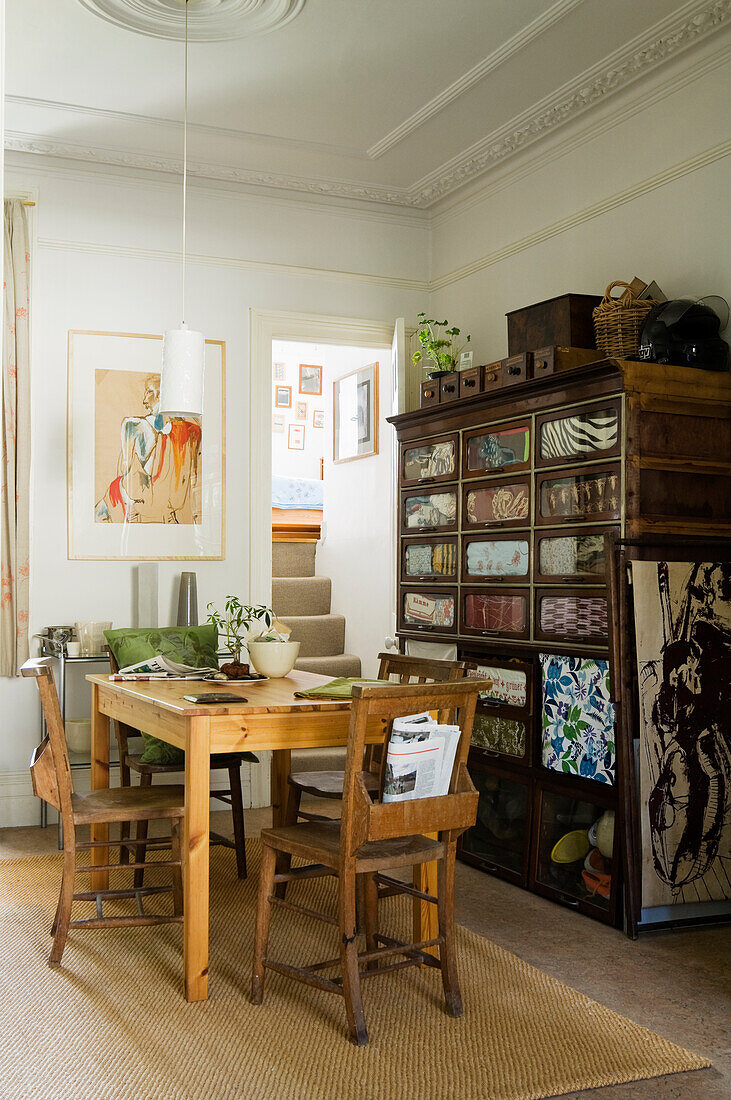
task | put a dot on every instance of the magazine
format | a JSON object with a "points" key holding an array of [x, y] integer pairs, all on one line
{"points": [[163, 668], [419, 759]]}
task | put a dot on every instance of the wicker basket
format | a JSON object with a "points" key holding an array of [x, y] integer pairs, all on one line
{"points": [[618, 322]]}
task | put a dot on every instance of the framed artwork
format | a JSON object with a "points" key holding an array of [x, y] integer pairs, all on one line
{"points": [[310, 379], [296, 438], [280, 372], [283, 397], [278, 423], [141, 486], [318, 418], [577, 718], [355, 414], [300, 410], [682, 616]]}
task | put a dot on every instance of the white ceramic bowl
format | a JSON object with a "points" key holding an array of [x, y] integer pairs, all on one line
{"points": [[273, 659]]}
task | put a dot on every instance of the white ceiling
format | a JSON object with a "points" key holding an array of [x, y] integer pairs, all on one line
{"points": [[400, 102]]}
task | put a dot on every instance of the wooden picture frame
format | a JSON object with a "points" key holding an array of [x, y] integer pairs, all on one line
{"points": [[355, 414], [282, 397], [279, 371], [310, 379], [300, 410], [177, 511], [296, 437], [278, 423], [318, 418]]}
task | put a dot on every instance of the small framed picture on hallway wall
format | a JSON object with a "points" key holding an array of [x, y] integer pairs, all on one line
{"points": [[296, 438], [310, 379], [283, 397], [355, 414]]}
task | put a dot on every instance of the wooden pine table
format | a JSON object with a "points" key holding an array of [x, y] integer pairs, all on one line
{"points": [[268, 717]]}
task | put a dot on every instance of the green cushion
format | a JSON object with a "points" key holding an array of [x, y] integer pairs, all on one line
{"points": [[191, 645]]}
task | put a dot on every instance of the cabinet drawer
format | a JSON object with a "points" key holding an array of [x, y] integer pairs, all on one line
{"points": [[470, 382], [577, 718], [492, 376], [430, 461], [429, 510], [500, 838], [429, 392], [517, 368], [589, 494], [495, 558], [431, 559], [496, 503], [494, 450], [581, 435], [565, 556], [503, 613], [431, 610], [571, 615], [449, 387], [511, 682]]}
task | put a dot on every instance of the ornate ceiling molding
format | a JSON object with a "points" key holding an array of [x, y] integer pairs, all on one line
{"points": [[208, 20]]}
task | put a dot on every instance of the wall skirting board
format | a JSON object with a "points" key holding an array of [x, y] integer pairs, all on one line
{"points": [[20, 807]]}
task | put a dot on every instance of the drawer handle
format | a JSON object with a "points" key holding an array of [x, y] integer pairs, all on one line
{"points": [[542, 364], [450, 388], [428, 393], [569, 901], [469, 382]]}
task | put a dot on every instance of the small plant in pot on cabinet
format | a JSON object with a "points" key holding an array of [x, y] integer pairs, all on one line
{"points": [[440, 351]]}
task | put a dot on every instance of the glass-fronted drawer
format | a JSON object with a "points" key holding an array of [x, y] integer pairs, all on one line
{"points": [[593, 494], [575, 858], [431, 610], [581, 435], [498, 449], [496, 503], [503, 613], [499, 840], [432, 559], [495, 558], [578, 717], [500, 735], [571, 556], [429, 511], [510, 681], [576, 615], [432, 460]]}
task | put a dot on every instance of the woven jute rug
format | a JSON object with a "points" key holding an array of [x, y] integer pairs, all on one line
{"points": [[112, 1022]]}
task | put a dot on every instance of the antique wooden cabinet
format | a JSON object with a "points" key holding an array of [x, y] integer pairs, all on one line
{"points": [[505, 501]]}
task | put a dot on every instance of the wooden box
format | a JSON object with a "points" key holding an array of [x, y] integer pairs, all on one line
{"points": [[550, 359], [564, 322], [430, 392], [470, 382], [517, 368], [492, 376], [449, 387]]}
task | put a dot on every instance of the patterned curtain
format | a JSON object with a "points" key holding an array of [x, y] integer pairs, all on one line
{"points": [[15, 441]]}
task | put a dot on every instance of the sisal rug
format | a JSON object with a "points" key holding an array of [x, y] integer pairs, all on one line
{"points": [[112, 1024]]}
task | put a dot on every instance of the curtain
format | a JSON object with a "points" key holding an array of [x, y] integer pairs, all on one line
{"points": [[15, 441]]}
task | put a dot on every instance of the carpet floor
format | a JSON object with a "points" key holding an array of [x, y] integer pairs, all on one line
{"points": [[112, 1023]]}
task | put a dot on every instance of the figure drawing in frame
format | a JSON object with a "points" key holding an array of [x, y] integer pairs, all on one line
{"points": [[364, 411], [147, 468], [310, 379], [683, 629], [355, 414]]}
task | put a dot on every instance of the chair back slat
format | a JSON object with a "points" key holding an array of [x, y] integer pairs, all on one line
{"points": [[363, 818], [43, 774], [41, 764]]}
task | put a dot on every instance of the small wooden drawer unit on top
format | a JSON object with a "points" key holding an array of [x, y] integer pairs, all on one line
{"points": [[505, 501]]}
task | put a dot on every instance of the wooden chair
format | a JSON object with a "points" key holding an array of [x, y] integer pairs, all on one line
{"points": [[373, 837], [51, 776], [132, 762], [329, 784]]}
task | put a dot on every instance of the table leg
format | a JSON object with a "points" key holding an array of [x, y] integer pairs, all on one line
{"points": [[99, 780], [426, 917], [281, 767], [195, 857]]}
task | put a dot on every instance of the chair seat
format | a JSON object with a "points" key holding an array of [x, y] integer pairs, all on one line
{"points": [[218, 760], [128, 804], [320, 841], [329, 784]]}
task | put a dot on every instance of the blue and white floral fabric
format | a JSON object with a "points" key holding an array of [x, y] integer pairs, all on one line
{"points": [[578, 717]]}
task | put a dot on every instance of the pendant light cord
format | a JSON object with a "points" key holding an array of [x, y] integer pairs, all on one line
{"points": [[185, 151]]}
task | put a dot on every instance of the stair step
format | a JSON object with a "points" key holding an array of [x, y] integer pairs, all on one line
{"points": [[293, 559], [320, 635], [343, 665], [300, 596]]}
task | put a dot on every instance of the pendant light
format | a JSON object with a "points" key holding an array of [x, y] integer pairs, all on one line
{"points": [[183, 349]]}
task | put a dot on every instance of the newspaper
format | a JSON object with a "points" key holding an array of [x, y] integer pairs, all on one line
{"points": [[162, 668], [419, 759]]}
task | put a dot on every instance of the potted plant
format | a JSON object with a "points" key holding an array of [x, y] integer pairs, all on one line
{"points": [[234, 624], [438, 346]]}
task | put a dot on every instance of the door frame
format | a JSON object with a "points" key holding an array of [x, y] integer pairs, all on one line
{"points": [[265, 326]]}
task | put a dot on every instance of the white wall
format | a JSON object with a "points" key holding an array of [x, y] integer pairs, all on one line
{"points": [[639, 187], [105, 258]]}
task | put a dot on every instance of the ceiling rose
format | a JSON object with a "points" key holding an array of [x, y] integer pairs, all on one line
{"points": [[208, 20]]}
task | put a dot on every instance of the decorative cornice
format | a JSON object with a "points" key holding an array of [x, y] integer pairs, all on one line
{"points": [[208, 20], [615, 72], [474, 75]]}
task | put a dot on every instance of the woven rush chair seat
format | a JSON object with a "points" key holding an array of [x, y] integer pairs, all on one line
{"points": [[371, 838], [51, 777]]}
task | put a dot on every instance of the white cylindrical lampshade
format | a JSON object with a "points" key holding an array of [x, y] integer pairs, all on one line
{"points": [[181, 381]]}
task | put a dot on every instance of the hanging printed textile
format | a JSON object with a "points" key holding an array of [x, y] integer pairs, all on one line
{"points": [[683, 631], [578, 717]]}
